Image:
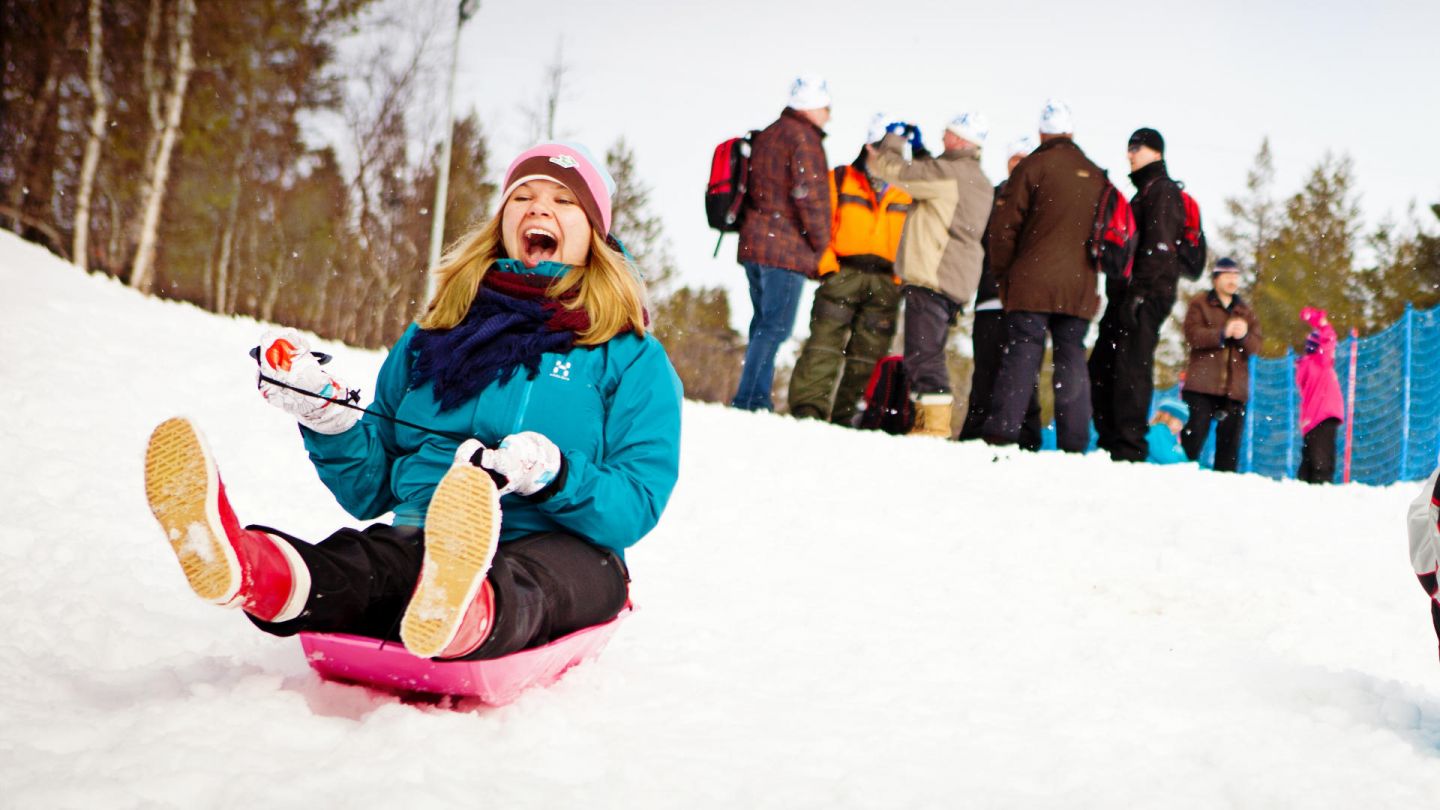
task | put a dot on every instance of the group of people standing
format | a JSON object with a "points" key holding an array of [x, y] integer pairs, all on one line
{"points": [[932, 231]]}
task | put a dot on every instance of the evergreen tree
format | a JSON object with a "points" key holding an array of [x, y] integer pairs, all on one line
{"points": [[632, 222], [41, 53], [469, 195], [1311, 260], [1427, 263], [1254, 217], [1406, 271], [694, 326]]}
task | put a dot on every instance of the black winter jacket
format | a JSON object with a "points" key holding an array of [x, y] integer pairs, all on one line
{"points": [[1160, 221], [989, 289]]}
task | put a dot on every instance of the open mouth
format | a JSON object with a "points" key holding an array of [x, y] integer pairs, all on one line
{"points": [[538, 245]]}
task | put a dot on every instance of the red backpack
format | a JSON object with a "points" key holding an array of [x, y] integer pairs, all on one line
{"points": [[729, 178], [887, 404], [1111, 246], [1192, 246]]}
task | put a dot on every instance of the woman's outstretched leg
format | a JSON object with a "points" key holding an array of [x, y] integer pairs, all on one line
{"points": [[451, 611], [224, 563]]}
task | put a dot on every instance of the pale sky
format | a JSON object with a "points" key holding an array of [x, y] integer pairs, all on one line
{"points": [[676, 78]]}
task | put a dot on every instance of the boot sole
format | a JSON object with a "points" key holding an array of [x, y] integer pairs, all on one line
{"points": [[462, 530], [183, 487]]}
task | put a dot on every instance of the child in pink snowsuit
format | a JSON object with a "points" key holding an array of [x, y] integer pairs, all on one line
{"points": [[1321, 407]]}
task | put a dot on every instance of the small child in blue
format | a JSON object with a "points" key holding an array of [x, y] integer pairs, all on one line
{"points": [[1163, 437]]}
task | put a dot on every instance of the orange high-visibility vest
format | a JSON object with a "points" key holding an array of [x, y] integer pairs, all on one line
{"points": [[862, 225]]}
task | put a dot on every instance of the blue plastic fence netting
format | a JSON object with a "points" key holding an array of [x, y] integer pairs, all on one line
{"points": [[1395, 430]]}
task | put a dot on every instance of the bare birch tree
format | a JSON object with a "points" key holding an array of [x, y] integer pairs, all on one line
{"points": [[217, 280], [151, 81], [391, 216], [141, 275], [543, 114], [80, 247]]}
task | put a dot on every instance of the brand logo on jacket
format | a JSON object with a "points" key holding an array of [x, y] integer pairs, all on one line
{"points": [[561, 371]]}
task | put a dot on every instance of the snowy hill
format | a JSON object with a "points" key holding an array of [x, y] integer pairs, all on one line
{"points": [[826, 619]]}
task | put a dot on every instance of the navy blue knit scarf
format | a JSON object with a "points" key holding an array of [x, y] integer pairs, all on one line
{"points": [[509, 326]]}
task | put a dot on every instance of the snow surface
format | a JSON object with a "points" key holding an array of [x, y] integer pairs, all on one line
{"points": [[826, 619]]}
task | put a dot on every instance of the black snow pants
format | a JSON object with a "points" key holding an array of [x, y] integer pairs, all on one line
{"points": [[546, 586], [1229, 418], [1317, 459], [1020, 368], [1122, 367], [988, 342]]}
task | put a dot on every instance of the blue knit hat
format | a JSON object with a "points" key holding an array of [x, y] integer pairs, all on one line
{"points": [[1174, 407], [1225, 265]]}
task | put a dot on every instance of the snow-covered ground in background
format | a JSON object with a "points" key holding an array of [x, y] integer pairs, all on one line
{"points": [[826, 619]]}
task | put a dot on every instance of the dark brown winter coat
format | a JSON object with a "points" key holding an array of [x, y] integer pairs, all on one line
{"points": [[1038, 229], [1217, 365], [787, 205]]}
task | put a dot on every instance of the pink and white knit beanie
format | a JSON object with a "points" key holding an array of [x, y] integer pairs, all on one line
{"points": [[572, 166]]}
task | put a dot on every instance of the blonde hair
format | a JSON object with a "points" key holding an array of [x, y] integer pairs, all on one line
{"points": [[604, 285]]}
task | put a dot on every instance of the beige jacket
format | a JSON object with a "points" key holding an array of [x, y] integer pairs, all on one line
{"points": [[940, 248]]}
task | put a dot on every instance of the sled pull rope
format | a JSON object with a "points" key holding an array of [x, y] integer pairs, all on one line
{"points": [[352, 396]]}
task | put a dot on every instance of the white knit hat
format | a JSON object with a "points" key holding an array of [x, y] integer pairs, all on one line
{"points": [[1023, 145], [1055, 118], [971, 126], [877, 128], [809, 92]]}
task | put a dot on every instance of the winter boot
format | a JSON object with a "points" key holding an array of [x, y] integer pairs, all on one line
{"points": [[932, 415], [225, 564], [453, 607]]}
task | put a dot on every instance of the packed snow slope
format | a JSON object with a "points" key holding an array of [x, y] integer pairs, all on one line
{"points": [[827, 619]]}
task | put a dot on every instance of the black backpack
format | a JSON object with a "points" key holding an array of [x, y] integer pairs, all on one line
{"points": [[887, 404], [1191, 250]]}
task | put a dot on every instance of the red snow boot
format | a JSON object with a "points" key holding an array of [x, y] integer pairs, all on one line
{"points": [[453, 607], [225, 563]]}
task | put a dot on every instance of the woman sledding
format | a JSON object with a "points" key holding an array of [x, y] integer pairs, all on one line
{"points": [[536, 345]]}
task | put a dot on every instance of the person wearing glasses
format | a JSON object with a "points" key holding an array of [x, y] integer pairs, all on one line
{"points": [[1123, 361]]}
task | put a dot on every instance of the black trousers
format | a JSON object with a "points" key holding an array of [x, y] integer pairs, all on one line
{"points": [[1229, 418], [546, 585], [988, 342], [928, 318], [1122, 373], [1317, 459], [1020, 369]]}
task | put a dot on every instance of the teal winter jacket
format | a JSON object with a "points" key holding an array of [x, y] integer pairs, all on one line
{"points": [[613, 410], [1164, 446]]}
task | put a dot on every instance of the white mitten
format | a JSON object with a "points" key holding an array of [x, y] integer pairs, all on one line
{"points": [[285, 359], [527, 461]]}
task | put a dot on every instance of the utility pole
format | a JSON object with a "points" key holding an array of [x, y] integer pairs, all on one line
{"points": [[464, 12]]}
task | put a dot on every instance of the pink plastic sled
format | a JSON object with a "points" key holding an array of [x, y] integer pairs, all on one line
{"points": [[356, 659]]}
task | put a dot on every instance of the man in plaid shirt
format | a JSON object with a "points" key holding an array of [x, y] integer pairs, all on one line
{"points": [[785, 230]]}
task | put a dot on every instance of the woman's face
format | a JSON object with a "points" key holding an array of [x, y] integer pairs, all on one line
{"points": [[543, 221]]}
